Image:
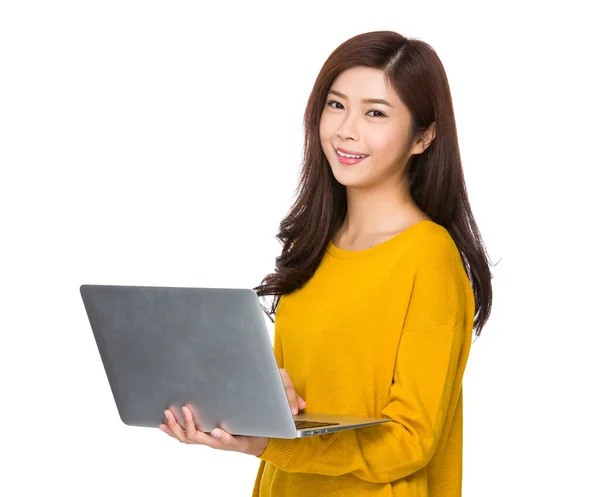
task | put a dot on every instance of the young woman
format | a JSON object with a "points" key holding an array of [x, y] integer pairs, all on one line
{"points": [[381, 281]]}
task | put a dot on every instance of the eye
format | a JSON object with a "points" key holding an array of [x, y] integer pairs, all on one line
{"points": [[337, 103], [382, 114], [333, 102]]}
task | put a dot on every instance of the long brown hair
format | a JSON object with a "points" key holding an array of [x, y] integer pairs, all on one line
{"points": [[436, 179]]}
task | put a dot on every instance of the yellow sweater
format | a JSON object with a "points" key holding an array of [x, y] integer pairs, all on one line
{"points": [[385, 332]]}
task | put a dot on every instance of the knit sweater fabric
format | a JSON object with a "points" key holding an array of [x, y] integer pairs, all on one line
{"points": [[380, 332]]}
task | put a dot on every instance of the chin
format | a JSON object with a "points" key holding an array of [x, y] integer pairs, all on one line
{"points": [[348, 180]]}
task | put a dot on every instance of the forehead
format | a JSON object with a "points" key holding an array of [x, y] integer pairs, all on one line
{"points": [[364, 82]]}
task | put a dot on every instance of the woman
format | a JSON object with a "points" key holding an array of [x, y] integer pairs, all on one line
{"points": [[382, 278]]}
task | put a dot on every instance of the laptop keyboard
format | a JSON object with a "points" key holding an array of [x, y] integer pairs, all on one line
{"points": [[300, 425]]}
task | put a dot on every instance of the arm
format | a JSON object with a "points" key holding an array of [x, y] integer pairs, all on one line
{"points": [[426, 365]]}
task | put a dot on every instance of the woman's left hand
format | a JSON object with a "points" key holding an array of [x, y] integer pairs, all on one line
{"points": [[218, 439]]}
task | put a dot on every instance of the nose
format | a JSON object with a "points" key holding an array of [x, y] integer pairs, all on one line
{"points": [[348, 129]]}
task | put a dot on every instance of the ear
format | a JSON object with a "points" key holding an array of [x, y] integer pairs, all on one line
{"points": [[425, 139]]}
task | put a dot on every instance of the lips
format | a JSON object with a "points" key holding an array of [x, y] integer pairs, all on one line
{"points": [[349, 152], [348, 161]]}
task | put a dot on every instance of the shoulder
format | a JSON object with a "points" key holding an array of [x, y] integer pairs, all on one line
{"points": [[439, 279], [433, 243]]}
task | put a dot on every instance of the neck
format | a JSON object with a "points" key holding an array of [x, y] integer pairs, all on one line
{"points": [[377, 210]]}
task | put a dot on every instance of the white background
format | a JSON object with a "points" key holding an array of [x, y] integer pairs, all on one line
{"points": [[159, 143]]}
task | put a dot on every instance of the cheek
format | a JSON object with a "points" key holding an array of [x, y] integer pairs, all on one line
{"points": [[383, 145], [325, 136], [323, 126]]}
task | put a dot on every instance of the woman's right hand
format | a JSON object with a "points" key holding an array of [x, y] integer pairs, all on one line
{"points": [[296, 402]]}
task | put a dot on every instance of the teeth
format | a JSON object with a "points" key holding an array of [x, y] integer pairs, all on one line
{"points": [[350, 156]]}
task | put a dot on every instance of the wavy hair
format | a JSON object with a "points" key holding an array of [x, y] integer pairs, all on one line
{"points": [[436, 182]]}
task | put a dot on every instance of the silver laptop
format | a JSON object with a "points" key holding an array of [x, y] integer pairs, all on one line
{"points": [[208, 348]]}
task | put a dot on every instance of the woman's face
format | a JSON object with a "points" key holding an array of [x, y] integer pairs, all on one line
{"points": [[377, 129]]}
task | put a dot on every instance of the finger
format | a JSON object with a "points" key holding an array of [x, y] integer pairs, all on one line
{"points": [[173, 425], [196, 436], [289, 390], [301, 403], [190, 426], [167, 430], [225, 440]]}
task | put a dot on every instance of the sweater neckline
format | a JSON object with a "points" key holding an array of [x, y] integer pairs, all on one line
{"points": [[340, 253]]}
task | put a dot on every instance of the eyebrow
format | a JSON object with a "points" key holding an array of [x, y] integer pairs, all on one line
{"points": [[365, 100]]}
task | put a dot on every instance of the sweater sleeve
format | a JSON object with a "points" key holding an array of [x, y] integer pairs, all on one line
{"points": [[425, 370], [278, 348]]}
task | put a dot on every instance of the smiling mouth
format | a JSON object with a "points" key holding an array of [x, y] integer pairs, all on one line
{"points": [[349, 161], [350, 156]]}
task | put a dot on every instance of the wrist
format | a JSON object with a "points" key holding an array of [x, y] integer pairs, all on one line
{"points": [[258, 445]]}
